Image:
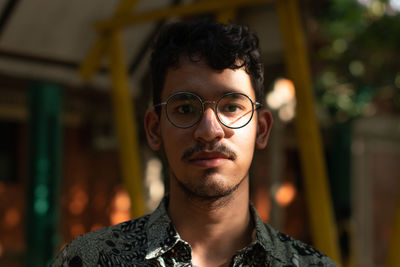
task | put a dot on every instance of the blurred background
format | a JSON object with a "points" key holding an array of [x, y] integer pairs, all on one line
{"points": [[74, 86]]}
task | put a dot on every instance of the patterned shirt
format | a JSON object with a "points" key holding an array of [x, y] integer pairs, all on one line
{"points": [[153, 241]]}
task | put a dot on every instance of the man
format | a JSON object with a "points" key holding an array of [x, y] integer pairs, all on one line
{"points": [[207, 119]]}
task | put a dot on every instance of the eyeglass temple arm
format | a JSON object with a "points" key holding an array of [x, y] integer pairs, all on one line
{"points": [[160, 104], [240, 117], [257, 104]]}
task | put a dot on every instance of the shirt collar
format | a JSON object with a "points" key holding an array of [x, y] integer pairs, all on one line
{"points": [[161, 233], [266, 238]]}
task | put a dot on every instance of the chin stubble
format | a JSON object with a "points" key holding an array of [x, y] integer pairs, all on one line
{"points": [[218, 194]]}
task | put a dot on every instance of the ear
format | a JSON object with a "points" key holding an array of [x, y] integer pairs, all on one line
{"points": [[263, 128], [152, 128]]}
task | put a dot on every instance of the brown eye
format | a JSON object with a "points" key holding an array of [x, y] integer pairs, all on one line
{"points": [[231, 108], [186, 109]]}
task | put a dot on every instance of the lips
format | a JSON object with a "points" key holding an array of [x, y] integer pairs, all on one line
{"points": [[209, 159]]}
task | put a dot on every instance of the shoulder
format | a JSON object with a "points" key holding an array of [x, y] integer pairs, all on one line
{"points": [[124, 241], [292, 251]]}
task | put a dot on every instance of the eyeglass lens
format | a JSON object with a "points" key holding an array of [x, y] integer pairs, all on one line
{"points": [[233, 110]]}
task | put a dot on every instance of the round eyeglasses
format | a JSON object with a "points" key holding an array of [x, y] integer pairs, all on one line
{"points": [[233, 110]]}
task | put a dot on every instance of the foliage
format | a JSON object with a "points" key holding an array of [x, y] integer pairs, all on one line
{"points": [[357, 59]]}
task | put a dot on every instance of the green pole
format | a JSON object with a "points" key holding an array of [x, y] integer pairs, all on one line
{"points": [[44, 172]]}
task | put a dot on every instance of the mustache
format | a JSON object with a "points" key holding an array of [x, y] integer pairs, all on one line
{"points": [[203, 147]]}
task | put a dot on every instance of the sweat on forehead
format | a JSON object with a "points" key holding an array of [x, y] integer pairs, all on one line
{"points": [[221, 46]]}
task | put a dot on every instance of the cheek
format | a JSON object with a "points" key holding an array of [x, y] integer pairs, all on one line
{"points": [[244, 140], [174, 141], [248, 133]]}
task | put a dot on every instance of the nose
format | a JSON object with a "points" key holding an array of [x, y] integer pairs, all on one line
{"points": [[209, 129]]}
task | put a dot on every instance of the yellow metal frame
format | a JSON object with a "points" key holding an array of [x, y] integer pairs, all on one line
{"points": [[126, 127], [319, 203], [109, 43], [213, 6], [93, 59], [226, 15], [394, 248]]}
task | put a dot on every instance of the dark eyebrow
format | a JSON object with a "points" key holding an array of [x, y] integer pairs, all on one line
{"points": [[235, 95], [184, 95]]}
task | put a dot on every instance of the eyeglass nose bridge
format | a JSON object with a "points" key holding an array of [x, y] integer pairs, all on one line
{"points": [[203, 103]]}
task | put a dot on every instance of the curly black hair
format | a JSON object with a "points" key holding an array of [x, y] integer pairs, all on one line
{"points": [[222, 46]]}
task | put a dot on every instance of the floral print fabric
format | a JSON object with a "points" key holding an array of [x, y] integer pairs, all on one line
{"points": [[153, 241]]}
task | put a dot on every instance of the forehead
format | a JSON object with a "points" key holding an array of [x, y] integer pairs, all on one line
{"points": [[208, 83]]}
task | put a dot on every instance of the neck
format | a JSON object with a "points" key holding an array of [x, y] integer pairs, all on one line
{"points": [[215, 228]]}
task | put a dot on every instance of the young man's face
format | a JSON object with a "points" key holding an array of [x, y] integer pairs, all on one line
{"points": [[207, 160]]}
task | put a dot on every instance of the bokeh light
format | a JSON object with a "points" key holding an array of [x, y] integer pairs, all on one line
{"points": [[262, 202], [41, 204], [79, 200], [395, 4], [339, 45], [356, 68], [12, 217], [121, 205], [378, 8], [154, 182], [77, 230], [283, 99], [397, 80], [96, 227], [285, 194], [329, 79]]}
